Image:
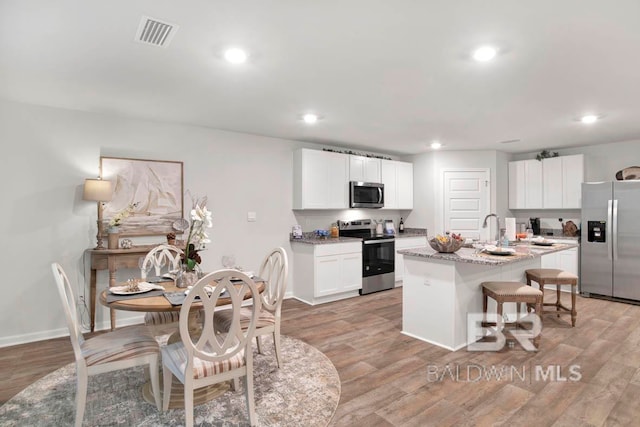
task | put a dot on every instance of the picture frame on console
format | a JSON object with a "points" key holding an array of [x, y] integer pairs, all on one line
{"points": [[154, 186]]}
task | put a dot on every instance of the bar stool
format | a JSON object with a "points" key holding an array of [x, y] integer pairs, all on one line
{"points": [[554, 276], [516, 292]]}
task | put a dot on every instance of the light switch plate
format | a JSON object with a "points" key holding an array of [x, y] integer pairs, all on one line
{"points": [[251, 217]]}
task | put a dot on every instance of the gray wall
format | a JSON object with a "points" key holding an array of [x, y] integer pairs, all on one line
{"points": [[45, 219]]}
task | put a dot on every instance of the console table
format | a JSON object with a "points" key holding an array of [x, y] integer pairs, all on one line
{"points": [[111, 259]]}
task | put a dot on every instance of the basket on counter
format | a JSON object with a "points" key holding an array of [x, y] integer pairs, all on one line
{"points": [[446, 244]]}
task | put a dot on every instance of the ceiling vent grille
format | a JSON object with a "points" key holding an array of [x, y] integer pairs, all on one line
{"points": [[154, 32]]}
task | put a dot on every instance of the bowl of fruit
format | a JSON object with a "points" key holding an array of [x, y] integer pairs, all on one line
{"points": [[447, 243]]}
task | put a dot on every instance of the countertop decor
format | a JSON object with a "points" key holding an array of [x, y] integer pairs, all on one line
{"points": [[448, 243]]}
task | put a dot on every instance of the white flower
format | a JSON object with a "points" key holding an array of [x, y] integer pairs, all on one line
{"points": [[116, 220], [200, 221]]}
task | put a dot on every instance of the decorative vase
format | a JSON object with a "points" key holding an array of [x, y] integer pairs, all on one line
{"points": [[186, 277], [113, 237]]}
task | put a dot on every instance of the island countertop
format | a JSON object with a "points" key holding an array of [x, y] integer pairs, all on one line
{"points": [[468, 255]]}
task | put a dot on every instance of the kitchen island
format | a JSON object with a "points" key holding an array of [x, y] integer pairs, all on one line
{"points": [[440, 289]]}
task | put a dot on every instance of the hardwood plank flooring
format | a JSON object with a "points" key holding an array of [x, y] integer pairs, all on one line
{"points": [[389, 379]]}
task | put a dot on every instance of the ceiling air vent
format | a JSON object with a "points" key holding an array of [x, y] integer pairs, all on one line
{"points": [[154, 32]]}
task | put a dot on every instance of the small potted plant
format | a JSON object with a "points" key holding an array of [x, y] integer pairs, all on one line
{"points": [[171, 238]]}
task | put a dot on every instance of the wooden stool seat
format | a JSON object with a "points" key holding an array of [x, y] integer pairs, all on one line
{"points": [[554, 276], [516, 292]]}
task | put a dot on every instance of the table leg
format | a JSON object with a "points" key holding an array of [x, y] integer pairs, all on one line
{"points": [[92, 299], [112, 282]]}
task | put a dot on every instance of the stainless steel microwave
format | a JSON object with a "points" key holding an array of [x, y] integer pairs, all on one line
{"points": [[366, 194]]}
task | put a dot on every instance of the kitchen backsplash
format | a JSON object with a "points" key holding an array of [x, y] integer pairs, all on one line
{"points": [[549, 226], [310, 221]]}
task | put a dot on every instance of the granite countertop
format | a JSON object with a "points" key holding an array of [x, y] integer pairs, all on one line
{"points": [[310, 238], [412, 232], [468, 255]]}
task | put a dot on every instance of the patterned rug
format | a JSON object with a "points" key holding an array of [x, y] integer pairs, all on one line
{"points": [[304, 392]]}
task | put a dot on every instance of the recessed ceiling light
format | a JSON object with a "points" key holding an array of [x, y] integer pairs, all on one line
{"points": [[436, 145], [588, 119], [310, 118], [484, 53], [235, 55]]}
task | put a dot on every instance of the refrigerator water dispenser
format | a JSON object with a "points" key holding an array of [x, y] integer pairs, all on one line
{"points": [[596, 231]]}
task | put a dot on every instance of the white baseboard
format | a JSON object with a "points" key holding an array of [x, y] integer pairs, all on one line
{"points": [[64, 332]]}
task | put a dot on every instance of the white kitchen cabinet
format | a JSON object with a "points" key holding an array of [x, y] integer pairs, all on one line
{"points": [[566, 260], [525, 184], [406, 243], [397, 178], [572, 179], [364, 169], [562, 182], [553, 183], [320, 180], [327, 272]]}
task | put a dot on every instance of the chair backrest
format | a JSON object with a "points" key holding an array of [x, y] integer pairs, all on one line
{"points": [[70, 311], [161, 255], [274, 270], [206, 344]]}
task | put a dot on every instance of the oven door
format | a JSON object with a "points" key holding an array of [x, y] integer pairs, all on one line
{"points": [[378, 256]]}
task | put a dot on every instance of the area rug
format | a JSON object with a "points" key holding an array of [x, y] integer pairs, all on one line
{"points": [[304, 392]]}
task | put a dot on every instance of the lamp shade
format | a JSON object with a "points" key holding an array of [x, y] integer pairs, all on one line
{"points": [[97, 190]]}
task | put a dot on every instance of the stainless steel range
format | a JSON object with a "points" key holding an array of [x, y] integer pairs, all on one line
{"points": [[378, 255]]}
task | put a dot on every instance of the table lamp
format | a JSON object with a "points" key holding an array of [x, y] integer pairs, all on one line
{"points": [[97, 190]]}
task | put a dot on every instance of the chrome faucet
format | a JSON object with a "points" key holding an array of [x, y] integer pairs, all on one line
{"points": [[484, 225]]}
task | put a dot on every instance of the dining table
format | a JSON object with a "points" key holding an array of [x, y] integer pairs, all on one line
{"points": [[156, 301]]}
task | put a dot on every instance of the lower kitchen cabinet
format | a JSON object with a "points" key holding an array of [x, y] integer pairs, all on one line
{"points": [[327, 272], [405, 243], [566, 260]]}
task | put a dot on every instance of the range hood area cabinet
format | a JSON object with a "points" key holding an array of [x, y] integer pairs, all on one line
{"points": [[397, 178], [320, 179], [553, 183], [364, 169]]}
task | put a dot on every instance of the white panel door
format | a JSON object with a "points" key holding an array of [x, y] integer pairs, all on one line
{"points": [[466, 202]]}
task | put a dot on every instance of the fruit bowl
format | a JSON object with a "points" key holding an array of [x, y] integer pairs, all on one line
{"points": [[446, 244]]}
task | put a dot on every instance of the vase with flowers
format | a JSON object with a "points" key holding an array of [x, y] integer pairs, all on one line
{"points": [[200, 220], [114, 225]]}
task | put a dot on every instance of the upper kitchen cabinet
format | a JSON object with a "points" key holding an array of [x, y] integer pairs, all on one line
{"points": [[320, 180], [553, 183], [525, 184], [562, 182], [364, 169], [397, 178]]}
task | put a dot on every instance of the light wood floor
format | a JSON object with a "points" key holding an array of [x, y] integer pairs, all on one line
{"points": [[389, 379]]}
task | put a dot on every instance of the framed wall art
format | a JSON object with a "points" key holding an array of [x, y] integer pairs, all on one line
{"points": [[155, 187]]}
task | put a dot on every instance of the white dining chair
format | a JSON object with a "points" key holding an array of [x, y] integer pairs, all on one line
{"points": [[274, 270], [121, 349], [161, 256], [203, 357], [158, 258]]}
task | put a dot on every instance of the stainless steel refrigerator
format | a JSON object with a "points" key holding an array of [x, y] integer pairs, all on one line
{"points": [[610, 239]]}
